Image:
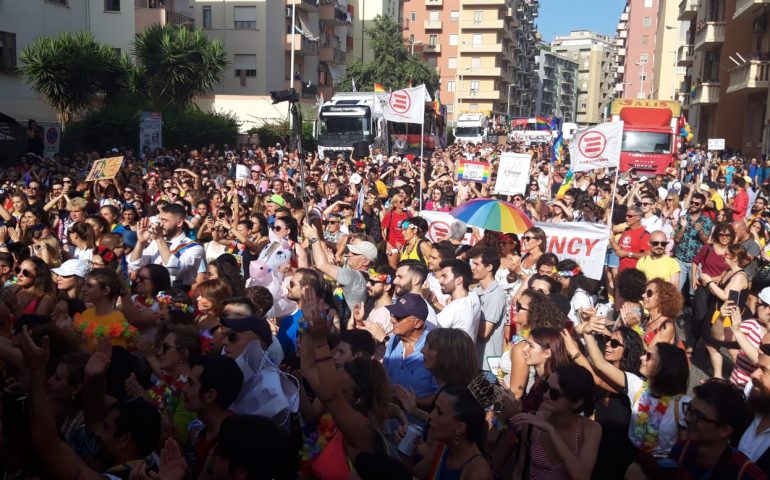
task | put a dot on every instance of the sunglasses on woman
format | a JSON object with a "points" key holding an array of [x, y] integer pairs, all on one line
{"points": [[552, 392], [276, 228], [614, 343], [164, 347], [23, 272]]}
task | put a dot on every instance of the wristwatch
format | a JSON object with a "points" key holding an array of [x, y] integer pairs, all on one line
{"points": [[312, 240]]}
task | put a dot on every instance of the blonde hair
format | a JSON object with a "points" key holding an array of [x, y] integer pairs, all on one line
{"points": [[78, 203]]}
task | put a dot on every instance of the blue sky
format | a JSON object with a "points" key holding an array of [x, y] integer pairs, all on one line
{"points": [[559, 17]]}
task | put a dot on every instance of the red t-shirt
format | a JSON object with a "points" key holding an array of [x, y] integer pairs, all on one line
{"points": [[390, 222], [711, 263], [635, 240], [740, 205]]}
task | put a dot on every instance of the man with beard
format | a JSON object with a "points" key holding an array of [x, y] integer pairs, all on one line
{"points": [[464, 311], [166, 244], [693, 232], [410, 276], [658, 264], [379, 290], [432, 288], [755, 442], [288, 326]]}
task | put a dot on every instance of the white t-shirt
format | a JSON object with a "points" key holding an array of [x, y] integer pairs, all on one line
{"points": [[754, 444], [381, 317], [580, 299], [435, 287], [667, 430], [652, 223], [463, 313]]}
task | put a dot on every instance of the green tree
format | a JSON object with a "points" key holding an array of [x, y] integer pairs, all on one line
{"points": [[178, 63], [70, 70], [393, 65]]}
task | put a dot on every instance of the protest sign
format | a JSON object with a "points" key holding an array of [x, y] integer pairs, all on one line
{"points": [[512, 173], [150, 131], [407, 105], [585, 243], [241, 172], [473, 171], [105, 169], [438, 226], [597, 147], [716, 144]]}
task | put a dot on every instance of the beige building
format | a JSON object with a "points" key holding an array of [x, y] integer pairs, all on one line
{"points": [[595, 56], [365, 11], [556, 93], [257, 34], [483, 50], [21, 22], [670, 39]]}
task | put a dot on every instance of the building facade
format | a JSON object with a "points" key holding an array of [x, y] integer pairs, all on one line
{"points": [[636, 41], [556, 92], [110, 21], [670, 38], [366, 10], [595, 56], [728, 81], [483, 50]]}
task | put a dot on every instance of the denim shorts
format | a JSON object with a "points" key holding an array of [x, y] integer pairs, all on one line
{"points": [[611, 258]]}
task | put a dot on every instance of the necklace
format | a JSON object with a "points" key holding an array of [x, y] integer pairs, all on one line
{"points": [[647, 418]]}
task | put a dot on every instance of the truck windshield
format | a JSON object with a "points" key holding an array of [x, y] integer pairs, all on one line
{"points": [[345, 125], [468, 131], [646, 142]]}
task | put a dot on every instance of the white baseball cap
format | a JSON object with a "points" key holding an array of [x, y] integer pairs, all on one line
{"points": [[764, 295], [367, 249], [355, 179], [72, 267]]}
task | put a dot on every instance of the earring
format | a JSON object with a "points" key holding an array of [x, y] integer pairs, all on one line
{"points": [[456, 441]]}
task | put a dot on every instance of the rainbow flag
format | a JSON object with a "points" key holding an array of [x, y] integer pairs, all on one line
{"points": [[565, 185], [558, 150], [554, 123], [542, 122], [473, 171], [379, 88]]}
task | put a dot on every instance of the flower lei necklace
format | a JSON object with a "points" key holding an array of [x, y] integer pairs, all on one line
{"points": [[646, 428], [314, 442], [167, 393], [114, 331]]}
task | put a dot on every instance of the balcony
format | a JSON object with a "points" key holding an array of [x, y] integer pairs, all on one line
{"points": [[622, 52], [623, 33], [470, 3], [483, 24], [620, 42], [624, 17], [484, 72], [688, 9], [431, 48], [310, 6], [302, 46], [621, 69], [481, 48], [306, 90], [745, 7], [750, 77], [709, 34], [332, 15], [145, 15], [706, 93], [470, 95], [432, 24], [331, 54], [434, 3], [684, 56]]}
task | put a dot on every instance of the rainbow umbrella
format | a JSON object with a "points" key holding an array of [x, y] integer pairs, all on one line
{"points": [[494, 215]]}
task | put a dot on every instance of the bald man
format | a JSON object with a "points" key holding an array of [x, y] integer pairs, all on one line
{"points": [[658, 264]]}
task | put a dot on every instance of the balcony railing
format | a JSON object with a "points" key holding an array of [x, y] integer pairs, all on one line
{"points": [[709, 34], [684, 55], [432, 25], [706, 93], [302, 46], [746, 7], [331, 54], [307, 5], [481, 48], [751, 77], [688, 9], [332, 13], [497, 24], [429, 48]]}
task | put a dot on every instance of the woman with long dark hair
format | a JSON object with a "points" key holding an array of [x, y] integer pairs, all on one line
{"points": [[141, 308], [576, 287], [35, 290]]}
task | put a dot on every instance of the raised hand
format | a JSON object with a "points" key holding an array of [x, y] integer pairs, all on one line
{"points": [[100, 360], [172, 464], [143, 230], [35, 357], [311, 311]]}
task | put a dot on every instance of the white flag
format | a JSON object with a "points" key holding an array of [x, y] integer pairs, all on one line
{"points": [[407, 105], [596, 147]]}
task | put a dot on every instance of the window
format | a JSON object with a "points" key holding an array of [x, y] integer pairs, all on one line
{"points": [[413, 16], [474, 87], [454, 15], [643, 58], [7, 52], [645, 39], [478, 16], [473, 107], [450, 108], [245, 17], [647, 3], [476, 39], [111, 5], [433, 16], [475, 63], [452, 62], [643, 76], [411, 38], [450, 86], [583, 106], [245, 65], [432, 39], [452, 39], [206, 17], [58, 2], [647, 21]]}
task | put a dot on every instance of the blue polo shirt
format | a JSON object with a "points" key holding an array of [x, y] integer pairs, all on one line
{"points": [[288, 328], [409, 372]]}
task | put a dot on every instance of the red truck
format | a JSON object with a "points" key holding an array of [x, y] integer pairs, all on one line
{"points": [[649, 134]]}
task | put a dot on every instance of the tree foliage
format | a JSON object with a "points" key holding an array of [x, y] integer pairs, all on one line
{"points": [[70, 70], [393, 66], [178, 63]]}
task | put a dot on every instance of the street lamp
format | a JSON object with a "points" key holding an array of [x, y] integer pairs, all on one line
{"points": [[458, 94], [413, 43]]}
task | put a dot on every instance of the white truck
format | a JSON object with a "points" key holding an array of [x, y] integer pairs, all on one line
{"points": [[472, 127], [349, 118]]}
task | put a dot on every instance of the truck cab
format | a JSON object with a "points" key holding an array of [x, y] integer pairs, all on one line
{"points": [[472, 127], [649, 134]]}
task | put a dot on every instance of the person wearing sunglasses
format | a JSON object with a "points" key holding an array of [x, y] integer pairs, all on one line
{"points": [[715, 413], [658, 264], [655, 395], [649, 220], [749, 334], [567, 404], [391, 232], [692, 232], [634, 241], [34, 292]]}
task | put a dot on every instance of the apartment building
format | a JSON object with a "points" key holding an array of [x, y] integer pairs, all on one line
{"points": [[595, 56], [671, 37], [483, 50], [366, 11], [162, 12], [21, 22], [636, 41], [729, 80], [267, 54], [556, 92]]}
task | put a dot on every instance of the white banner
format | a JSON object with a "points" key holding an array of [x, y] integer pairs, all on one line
{"points": [[51, 140], [150, 128], [407, 105], [512, 173], [596, 147], [716, 144], [242, 172], [438, 226], [585, 243]]}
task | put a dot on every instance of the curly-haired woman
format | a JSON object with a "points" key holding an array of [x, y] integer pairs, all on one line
{"points": [[664, 303]]}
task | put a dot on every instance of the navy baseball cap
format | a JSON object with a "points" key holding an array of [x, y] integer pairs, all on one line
{"points": [[258, 325], [409, 304]]}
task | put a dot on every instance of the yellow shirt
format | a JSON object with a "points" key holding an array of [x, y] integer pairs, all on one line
{"points": [[719, 203], [662, 267], [113, 326]]}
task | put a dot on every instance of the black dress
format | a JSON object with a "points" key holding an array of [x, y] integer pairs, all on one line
{"points": [[616, 452]]}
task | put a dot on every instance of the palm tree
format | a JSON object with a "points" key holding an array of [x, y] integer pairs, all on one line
{"points": [[69, 70], [178, 63]]}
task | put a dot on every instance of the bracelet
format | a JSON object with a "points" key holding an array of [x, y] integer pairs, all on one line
{"points": [[709, 283], [575, 356], [323, 359]]}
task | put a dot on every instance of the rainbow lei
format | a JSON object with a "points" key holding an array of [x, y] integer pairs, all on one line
{"points": [[115, 331], [167, 393], [646, 428], [148, 302], [314, 442], [570, 273], [164, 298]]}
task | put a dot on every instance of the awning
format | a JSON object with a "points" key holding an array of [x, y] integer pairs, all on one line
{"points": [[305, 26]]}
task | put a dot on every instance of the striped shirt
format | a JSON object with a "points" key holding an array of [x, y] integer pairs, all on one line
{"points": [[743, 366]]}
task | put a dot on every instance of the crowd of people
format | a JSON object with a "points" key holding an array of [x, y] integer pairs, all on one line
{"points": [[180, 321]]}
